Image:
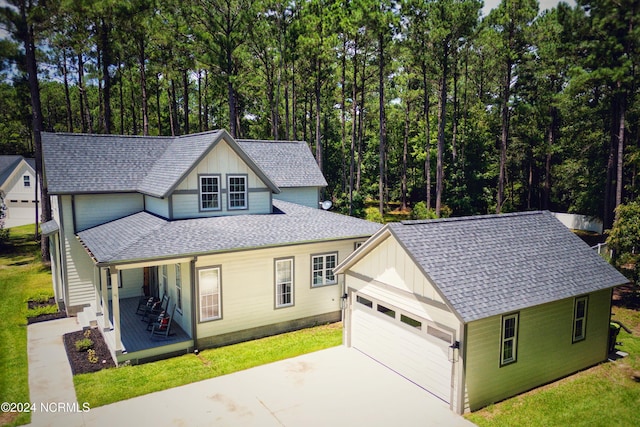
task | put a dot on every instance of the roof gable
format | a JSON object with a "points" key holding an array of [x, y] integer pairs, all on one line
{"points": [[7, 165], [489, 265]]}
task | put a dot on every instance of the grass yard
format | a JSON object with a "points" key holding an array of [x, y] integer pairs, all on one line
{"points": [[22, 276], [607, 394], [112, 385]]}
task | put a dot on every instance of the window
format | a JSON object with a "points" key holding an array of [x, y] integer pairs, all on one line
{"points": [[26, 180], [209, 193], [386, 310], [237, 186], [209, 293], [410, 321], [580, 318], [364, 301], [509, 339], [179, 287], [284, 282], [322, 269]]}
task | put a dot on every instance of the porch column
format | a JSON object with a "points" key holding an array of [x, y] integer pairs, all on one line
{"points": [[115, 300], [96, 284], [105, 300]]}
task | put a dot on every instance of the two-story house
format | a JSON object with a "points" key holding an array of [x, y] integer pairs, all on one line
{"points": [[230, 230], [19, 190]]}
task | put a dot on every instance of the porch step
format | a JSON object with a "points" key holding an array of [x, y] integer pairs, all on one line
{"points": [[87, 318]]}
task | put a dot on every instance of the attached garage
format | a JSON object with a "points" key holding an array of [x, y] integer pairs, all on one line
{"points": [[478, 309], [404, 342]]}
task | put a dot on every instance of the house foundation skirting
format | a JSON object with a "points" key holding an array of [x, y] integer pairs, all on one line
{"points": [[268, 330]]}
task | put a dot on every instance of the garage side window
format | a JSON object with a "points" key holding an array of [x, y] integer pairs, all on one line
{"points": [[580, 318], [209, 293], [284, 282], [509, 339], [322, 269]]}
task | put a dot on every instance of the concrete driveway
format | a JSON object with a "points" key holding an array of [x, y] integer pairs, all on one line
{"points": [[335, 387]]}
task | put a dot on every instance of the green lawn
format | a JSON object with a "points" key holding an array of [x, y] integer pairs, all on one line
{"points": [[605, 395], [22, 275]]}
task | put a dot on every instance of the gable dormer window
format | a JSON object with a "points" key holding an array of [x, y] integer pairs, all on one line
{"points": [[209, 193], [26, 180], [237, 185]]}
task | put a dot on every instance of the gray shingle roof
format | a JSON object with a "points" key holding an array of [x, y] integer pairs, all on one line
{"points": [[288, 163], [490, 265], [80, 163], [142, 236], [7, 165]]}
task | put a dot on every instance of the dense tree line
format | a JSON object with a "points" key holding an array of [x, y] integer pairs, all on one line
{"points": [[400, 100]]}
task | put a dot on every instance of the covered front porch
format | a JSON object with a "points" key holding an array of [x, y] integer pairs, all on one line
{"points": [[125, 332], [137, 343]]}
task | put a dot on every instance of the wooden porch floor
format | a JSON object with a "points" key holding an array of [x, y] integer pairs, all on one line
{"points": [[133, 331]]}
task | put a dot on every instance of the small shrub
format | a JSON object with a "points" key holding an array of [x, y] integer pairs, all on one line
{"points": [[87, 333], [39, 311], [91, 356], [374, 215], [41, 297], [84, 344]]}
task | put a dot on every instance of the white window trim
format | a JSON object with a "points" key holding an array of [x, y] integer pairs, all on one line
{"points": [[582, 336], [245, 193], [514, 339], [324, 270], [201, 193], [26, 181], [219, 295], [278, 289]]}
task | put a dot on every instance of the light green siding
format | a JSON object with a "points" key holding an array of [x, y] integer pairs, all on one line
{"points": [[306, 196], [545, 351], [95, 209]]}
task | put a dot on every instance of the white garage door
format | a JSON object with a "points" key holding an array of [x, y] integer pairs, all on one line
{"points": [[408, 344]]}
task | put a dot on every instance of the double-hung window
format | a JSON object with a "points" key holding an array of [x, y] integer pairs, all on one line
{"points": [[26, 180], [237, 189], [284, 282], [209, 192], [509, 339], [580, 318], [322, 269], [209, 293]]}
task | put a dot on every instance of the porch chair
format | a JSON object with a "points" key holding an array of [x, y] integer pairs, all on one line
{"points": [[145, 304], [153, 310], [160, 328]]}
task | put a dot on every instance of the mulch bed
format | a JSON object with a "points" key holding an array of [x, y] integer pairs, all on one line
{"points": [[79, 360], [61, 314]]}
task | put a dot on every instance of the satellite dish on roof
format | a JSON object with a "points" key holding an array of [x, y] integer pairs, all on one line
{"points": [[326, 205]]}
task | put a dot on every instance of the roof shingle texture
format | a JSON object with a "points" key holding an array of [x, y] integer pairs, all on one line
{"points": [[490, 265], [142, 236], [289, 163], [7, 165], [80, 163]]}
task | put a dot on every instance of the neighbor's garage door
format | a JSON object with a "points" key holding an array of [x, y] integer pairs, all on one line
{"points": [[406, 343]]}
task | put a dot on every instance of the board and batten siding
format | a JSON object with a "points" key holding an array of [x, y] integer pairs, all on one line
{"points": [[95, 209], [222, 160], [545, 351], [389, 263], [248, 288], [306, 196]]}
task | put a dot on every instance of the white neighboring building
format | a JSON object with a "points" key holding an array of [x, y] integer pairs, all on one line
{"points": [[18, 188]]}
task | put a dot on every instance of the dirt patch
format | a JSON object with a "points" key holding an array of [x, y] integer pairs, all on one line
{"points": [[79, 360], [627, 296]]}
